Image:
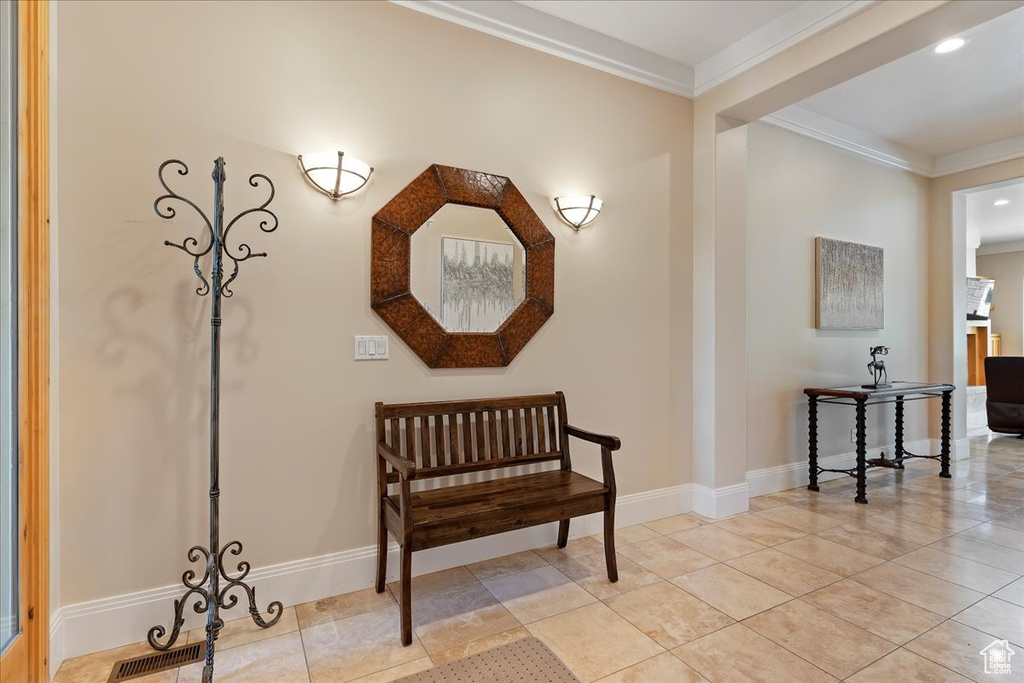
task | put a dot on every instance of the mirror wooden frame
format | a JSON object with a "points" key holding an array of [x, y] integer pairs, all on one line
{"points": [[391, 265]]}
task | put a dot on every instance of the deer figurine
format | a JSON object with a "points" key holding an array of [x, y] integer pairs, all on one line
{"points": [[877, 368]]}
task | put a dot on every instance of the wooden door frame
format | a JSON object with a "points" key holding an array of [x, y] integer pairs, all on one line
{"points": [[13, 653], [34, 327]]}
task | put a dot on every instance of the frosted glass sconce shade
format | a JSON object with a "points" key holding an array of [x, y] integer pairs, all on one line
{"points": [[578, 211], [335, 174]]}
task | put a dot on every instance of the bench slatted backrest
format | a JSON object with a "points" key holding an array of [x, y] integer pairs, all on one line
{"points": [[453, 437]]}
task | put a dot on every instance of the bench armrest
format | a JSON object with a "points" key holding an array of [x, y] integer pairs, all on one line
{"points": [[612, 443], [405, 466]]}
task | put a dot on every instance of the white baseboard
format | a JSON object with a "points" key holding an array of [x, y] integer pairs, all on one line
{"points": [[124, 619], [57, 655], [795, 474], [723, 502], [961, 448]]}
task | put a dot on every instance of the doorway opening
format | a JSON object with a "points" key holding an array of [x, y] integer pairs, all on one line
{"points": [[992, 219]]}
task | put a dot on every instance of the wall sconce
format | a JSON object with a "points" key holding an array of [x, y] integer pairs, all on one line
{"points": [[334, 174], [578, 211]]}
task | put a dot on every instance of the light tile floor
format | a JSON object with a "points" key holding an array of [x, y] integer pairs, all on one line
{"points": [[804, 587]]}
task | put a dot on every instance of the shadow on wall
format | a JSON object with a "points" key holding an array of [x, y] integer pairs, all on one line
{"points": [[167, 383]]}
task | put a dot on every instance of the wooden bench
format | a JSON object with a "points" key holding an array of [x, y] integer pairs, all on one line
{"points": [[418, 441]]}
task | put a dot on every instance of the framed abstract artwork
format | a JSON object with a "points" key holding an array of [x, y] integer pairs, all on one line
{"points": [[850, 285]]}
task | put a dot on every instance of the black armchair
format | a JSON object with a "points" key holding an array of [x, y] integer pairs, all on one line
{"points": [[1005, 403]]}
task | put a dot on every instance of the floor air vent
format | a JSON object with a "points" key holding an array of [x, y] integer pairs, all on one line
{"points": [[128, 669]]}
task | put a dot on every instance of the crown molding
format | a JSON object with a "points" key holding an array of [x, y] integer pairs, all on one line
{"points": [[832, 132], [1000, 247], [869, 146], [778, 35], [535, 29], [983, 155]]}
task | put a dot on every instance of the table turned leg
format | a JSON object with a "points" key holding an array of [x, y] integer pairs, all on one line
{"points": [[862, 450], [899, 431], [947, 404], [812, 443]]}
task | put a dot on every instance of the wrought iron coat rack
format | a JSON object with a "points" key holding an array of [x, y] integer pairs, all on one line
{"points": [[210, 596]]}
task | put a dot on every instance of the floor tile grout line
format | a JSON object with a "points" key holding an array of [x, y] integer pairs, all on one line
{"points": [[905, 650], [896, 646], [628, 623], [669, 649], [350, 616], [930, 576], [967, 558], [790, 597], [520, 621], [630, 666], [846, 619], [959, 558], [1001, 545], [501, 576], [997, 637], [919, 654], [305, 655], [780, 645], [846, 678]]}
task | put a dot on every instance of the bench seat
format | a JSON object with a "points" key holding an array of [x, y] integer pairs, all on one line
{"points": [[491, 507]]}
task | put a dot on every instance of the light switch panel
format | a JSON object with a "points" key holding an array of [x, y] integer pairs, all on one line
{"points": [[373, 347]]}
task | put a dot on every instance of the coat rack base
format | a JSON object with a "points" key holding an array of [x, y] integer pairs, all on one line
{"points": [[217, 589]]}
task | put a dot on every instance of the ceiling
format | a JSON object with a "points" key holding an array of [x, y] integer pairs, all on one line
{"points": [[681, 46], [940, 104], [927, 113], [685, 32], [997, 224]]}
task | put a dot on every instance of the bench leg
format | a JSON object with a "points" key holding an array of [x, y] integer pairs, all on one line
{"points": [[382, 553], [609, 544], [406, 595], [563, 533]]}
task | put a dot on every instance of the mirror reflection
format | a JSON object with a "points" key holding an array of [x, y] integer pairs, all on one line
{"points": [[468, 268]]}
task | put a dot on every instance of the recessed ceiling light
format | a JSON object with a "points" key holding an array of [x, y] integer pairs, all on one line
{"points": [[949, 45], [1001, 202]]}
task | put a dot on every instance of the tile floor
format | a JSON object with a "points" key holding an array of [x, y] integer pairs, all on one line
{"points": [[804, 587]]}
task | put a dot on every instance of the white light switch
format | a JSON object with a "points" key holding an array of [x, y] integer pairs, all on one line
{"points": [[371, 347]]}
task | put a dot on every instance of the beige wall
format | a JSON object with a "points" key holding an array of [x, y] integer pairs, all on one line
{"points": [[259, 82], [1008, 301], [798, 189]]}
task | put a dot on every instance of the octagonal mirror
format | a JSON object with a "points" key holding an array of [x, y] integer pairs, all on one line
{"points": [[462, 269], [468, 269]]}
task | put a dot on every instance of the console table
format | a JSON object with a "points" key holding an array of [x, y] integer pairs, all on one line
{"points": [[860, 398]]}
